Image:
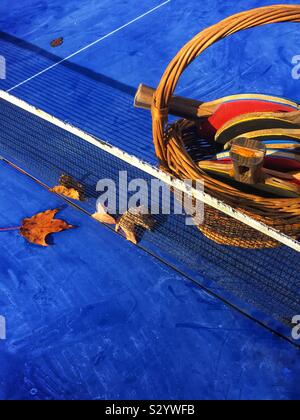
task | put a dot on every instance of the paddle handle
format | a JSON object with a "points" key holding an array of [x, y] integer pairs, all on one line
{"points": [[247, 156], [179, 106]]}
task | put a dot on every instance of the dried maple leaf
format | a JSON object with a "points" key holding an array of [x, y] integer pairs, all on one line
{"points": [[37, 228], [132, 220], [66, 192]]}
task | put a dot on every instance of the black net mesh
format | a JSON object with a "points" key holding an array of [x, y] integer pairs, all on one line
{"points": [[264, 283]]}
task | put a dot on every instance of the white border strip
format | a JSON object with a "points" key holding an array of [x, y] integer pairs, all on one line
{"points": [[153, 171]]}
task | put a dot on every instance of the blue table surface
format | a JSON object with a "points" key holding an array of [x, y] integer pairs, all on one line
{"points": [[92, 316]]}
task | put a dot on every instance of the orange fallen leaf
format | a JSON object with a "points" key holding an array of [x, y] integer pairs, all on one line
{"points": [[69, 182], [37, 228], [66, 192], [69, 187]]}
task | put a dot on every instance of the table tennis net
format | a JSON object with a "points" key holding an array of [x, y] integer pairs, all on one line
{"points": [[263, 283]]}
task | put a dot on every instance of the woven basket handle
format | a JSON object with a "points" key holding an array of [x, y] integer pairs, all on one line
{"points": [[245, 20]]}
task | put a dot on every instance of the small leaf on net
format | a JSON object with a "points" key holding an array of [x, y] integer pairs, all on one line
{"points": [[66, 192], [103, 216], [133, 221]]}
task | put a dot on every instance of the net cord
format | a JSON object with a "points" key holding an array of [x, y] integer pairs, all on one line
{"points": [[154, 172]]}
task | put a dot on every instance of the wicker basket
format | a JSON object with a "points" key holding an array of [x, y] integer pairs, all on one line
{"points": [[178, 147]]}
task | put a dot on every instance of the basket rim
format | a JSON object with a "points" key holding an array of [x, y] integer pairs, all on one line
{"points": [[174, 150]]}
